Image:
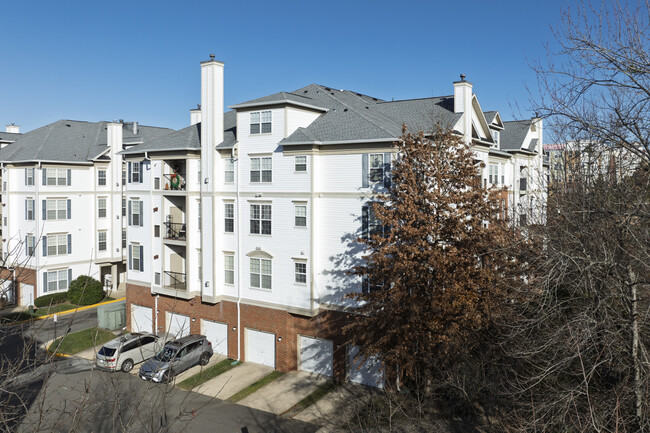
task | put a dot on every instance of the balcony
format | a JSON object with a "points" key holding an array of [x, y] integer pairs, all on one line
{"points": [[175, 231], [174, 182], [174, 281]]}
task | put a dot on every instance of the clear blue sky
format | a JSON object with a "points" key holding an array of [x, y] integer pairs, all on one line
{"points": [[139, 60]]}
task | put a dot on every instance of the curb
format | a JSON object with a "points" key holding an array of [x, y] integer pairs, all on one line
{"points": [[66, 312]]}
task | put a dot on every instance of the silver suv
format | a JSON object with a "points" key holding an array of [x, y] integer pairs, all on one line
{"points": [[124, 351], [176, 357]]}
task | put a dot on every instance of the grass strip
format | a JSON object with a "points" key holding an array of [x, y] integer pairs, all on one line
{"points": [[57, 308], [81, 340], [207, 374], [255, 386], [14, 317], [312, 398]]}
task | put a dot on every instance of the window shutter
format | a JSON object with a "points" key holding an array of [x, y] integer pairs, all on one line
{"points": [[141, 258], [69, 177], [141, 171], [44, 210], [387, 157], [44, 282], [69, 209], [364, 170], [129, 172], [141, 214], [26, 247], [364, 222], [130, 209], [69, 276], [44, 176], [130, 257], [69, 243], [44, 239], [26, 176], [26, 209]]}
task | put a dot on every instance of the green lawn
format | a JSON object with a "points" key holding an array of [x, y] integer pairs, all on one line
{"points": [[51, 309], [14, 317], [255, 386], [208, 373], [42, 311], [312, 398], [81, 340]]}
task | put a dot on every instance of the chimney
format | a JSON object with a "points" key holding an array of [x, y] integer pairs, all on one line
{"points": [[13, 128], [135, 128], [195, 115], [463, 104]]}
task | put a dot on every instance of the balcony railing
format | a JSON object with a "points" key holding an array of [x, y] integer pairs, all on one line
{"points": [[174, 182], [174, 280], [522, 184], [175, 231]]}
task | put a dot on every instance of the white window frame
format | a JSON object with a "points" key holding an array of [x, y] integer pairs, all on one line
{"points": [[29, 176], [60, 177], [54, 210], [100, 234], [101, 177], [229, 268], [135, 250], [31, 215], [228, 170], [30, 245], [300, 272], [101, 210], [299, 215], [375, 168], [54, 245], [262, 214], [261, 169], [135, 172], [261, 122], [300, 163], [229, 217], [55, 278], [261, 278]]}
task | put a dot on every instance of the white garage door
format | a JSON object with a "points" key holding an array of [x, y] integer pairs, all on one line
{"points": [[316, 355], [217, 334], [370, 373], [260, 347], [141, 318], [26, 294], [178, 325]]}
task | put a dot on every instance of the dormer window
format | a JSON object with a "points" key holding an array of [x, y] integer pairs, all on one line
{"points": [[261, 122], [496, 135]]}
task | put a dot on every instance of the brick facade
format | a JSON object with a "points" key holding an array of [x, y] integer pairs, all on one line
{"points": [[326, 325], [21, 276]]}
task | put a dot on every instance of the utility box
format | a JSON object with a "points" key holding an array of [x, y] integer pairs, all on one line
{"points": [[112, 316]]}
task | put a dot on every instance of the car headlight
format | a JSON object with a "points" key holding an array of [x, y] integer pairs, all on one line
{"points": [[158, 376]]}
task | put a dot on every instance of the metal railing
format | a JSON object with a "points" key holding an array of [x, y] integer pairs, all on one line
{"points": [[175, 231], [174, 182], [174, 280]]}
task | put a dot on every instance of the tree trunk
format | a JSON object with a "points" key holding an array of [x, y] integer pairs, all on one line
{"points": [[638, 390]]}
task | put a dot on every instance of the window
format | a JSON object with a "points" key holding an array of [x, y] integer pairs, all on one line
{"points": [[300, 163], [29, 176], [135, 172], [376, 167], [29, 209], [56, 176], [198, 207], [101, 177], [56, 209], [229, 268], [300, 211], [123, 207], [156, 183], [370, 224], [54, 281], [200, 261], [136, 257], [261, 219], [156, 231], [261, 169], [261, 273], [301, 272], [57, 245], [261, 122], [229, 170], [229, 217], [101, 241], [123, 238], [30, 244], [135, 213], [101, 207], [495, 135], [156, 278], [123, 177]]}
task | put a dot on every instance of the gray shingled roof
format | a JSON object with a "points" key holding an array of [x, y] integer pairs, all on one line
{"points": [[70, 141], [280, 98], [9, 136], [514, 133]]}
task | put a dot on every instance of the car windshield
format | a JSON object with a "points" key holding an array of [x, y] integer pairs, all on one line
{"points": [[105, 351], [167, 354]]}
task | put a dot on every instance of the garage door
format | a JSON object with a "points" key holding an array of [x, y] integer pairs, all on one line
{"points": [[217, 334], [178, 325], [26, 294], [369, 373], [316, 355], [141, 318], [260, 347]]}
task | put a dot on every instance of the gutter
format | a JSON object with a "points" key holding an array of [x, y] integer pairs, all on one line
{"points": [[238, 255]]}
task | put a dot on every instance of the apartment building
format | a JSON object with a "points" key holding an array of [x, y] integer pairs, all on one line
{"points": [[243, 225], [62, 207]]}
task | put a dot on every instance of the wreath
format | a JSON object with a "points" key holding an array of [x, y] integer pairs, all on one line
{"points": [[175, 181]]}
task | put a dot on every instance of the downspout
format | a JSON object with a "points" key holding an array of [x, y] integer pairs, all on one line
{"points": [[156, 315], [238, 263]]}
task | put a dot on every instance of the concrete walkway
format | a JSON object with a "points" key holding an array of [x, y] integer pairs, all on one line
{"points": [[283, 393], [336, 407], [197, 368], [234, 380]]}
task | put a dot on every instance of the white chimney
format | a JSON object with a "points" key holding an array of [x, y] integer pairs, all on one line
{"points": [[463, 104], [13, 128], [195, 115], [211, 135]]}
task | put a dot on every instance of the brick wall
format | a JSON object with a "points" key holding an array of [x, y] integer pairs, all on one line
{"points": [[326, 325]]}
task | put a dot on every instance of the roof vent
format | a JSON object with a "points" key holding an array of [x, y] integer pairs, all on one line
{"points": [[462, 77], [211, 56], [345, 109]]}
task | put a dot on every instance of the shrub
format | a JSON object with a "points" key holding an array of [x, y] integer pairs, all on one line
{"points": [[85, 290], [54, 298]]}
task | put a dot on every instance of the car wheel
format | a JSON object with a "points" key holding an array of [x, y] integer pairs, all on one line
{"points": [[205, 358], [167, 377], [127, 366]]}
